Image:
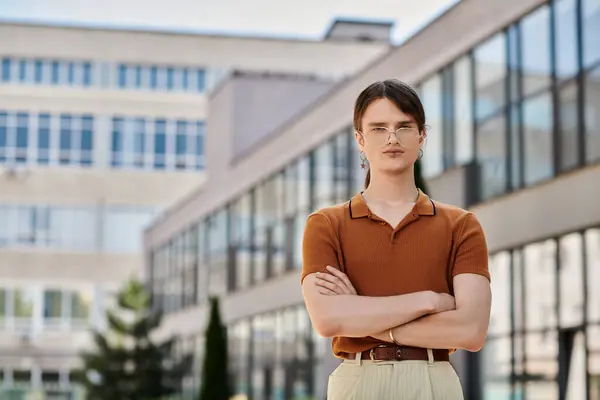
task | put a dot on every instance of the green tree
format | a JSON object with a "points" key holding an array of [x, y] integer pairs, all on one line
{"points": [[215, 379], [126, 364], [419, 181]]}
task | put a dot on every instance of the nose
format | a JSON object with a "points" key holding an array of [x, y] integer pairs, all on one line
{"points": [[393, 139]]}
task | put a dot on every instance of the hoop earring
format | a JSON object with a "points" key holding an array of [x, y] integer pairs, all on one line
{"points": [[363, 158], [420, 153]]}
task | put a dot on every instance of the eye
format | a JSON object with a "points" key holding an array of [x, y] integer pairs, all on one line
{"points": [[379, 129]]}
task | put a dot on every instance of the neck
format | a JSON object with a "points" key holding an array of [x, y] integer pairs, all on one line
{"points": [[392, 187]]}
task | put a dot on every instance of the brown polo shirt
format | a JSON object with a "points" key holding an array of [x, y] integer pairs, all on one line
{"points": [[432, 244]]}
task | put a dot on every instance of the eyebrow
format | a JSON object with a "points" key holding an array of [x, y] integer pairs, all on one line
{"points": [[403, 122]]}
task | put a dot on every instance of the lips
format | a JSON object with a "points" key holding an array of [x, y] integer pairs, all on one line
{"points": [[395, 151]]}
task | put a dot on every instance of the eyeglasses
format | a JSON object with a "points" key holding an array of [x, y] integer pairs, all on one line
{"points": [[402, 134]]}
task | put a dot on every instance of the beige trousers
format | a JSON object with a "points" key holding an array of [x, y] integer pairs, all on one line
{"points": [[394, 380]]}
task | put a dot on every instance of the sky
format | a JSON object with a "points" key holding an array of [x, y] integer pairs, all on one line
{"points": [[291, 19]]}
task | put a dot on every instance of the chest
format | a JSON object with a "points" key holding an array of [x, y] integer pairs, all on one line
{"points": [[382, 261]]}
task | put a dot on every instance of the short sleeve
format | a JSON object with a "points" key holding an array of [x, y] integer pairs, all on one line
{"points": [[319, 245], [472, 252]]}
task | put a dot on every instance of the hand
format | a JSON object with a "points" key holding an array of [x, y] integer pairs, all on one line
{"points": [[335, 282], [444, 302]]}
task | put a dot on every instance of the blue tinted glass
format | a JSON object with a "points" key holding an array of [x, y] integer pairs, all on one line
{"points": [[87, 140], [22, 130], [3, 135], [153, 77], [44, 121], [139, 136], [200, 145], [160, 143], [117, 141], [122, 76], [71, 73], [6, 69], [186, 79], [201, 78], [591, 31], [22, 70], [65, 121], [38, 71], [87, 74], [138, 77], [55, 72], [44, 138], [65, 139], [181, 144], [170, 78]]}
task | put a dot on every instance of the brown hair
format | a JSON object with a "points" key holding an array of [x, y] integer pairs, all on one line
{"points": [[399, 93]]}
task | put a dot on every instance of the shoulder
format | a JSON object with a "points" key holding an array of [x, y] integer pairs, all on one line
{"points": [[459, 218], [334, 215]]}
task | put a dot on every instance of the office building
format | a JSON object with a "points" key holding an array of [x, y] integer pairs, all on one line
{"points": [[100, 129], [512, 96]]}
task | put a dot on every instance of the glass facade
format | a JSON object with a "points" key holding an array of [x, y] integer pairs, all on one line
{"points": [[543, 336], [79, 140], [88, 74], [108, 228]]}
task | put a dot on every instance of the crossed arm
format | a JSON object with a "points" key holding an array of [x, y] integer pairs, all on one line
{"points": [[422, 319]]}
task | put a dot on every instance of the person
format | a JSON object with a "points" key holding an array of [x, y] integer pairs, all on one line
{"points": [[397, 279]]}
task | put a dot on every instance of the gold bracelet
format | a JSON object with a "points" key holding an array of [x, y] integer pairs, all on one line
{"points": [[392, 337]]}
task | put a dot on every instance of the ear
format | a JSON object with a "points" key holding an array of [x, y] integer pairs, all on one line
{"points": [[422, 136], [360, 140]]}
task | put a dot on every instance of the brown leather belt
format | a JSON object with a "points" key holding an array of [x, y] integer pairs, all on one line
{"points": [[401, 353]]}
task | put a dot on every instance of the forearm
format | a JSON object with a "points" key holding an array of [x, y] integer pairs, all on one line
{"points": [[359, 316], [457, 329]]}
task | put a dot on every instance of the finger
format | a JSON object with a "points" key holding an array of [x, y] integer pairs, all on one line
{"points": [[329, 285], [334, 280], [343, 277], [327, 292]]}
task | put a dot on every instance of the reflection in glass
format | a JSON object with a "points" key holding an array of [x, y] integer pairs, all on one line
{"points": [[569, 126], [535, 54], [592, 243], [303, 184], [541, 365], [491, 156], [591, 31], [496, 368], [500, 315], [340, 172], [431, 96], [593, 339], [592, 116], [463, 112], [324, 170], [202, 269], [537, 139], [490, 74], [53, 304], [577, 372], [80, 304], [571, 280], [23, 303], [518, 290], [565, 25], [217, 252], [515, 115], [540, 264], [3, 305]]}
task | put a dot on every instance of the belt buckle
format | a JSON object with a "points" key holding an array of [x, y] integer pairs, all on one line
{"points": [[372, 354]]}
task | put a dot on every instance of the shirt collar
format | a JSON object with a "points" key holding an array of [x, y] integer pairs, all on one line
{"points": [[359, 209]]}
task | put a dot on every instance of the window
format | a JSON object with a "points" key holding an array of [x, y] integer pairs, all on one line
{"points": [[87, 140], [570, 280], [201, 80], [3, 306], [592, 116], [23, 303], [540, 265], [341, 168], [431, 97], [592, 243], [122, 76], [500, 269], [55, 74], [217, 252], [181, 145], [491, 156], [160, 144], [541, 352], [6, 65], [490, 75], [535, 51], [81, 304], [66, 134], [304, 192], [566, 51], [591, 31], [241, 237], [87, 74], [538, 141], [463, 111], [324, 170], [22, 137], [53, 300], [123, 227], [568, 120], [43, 138]]}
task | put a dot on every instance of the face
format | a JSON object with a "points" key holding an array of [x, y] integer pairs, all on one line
{"points": [[389, 138]]}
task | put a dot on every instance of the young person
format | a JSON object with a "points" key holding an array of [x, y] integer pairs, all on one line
{"points": [[398, 280]]}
